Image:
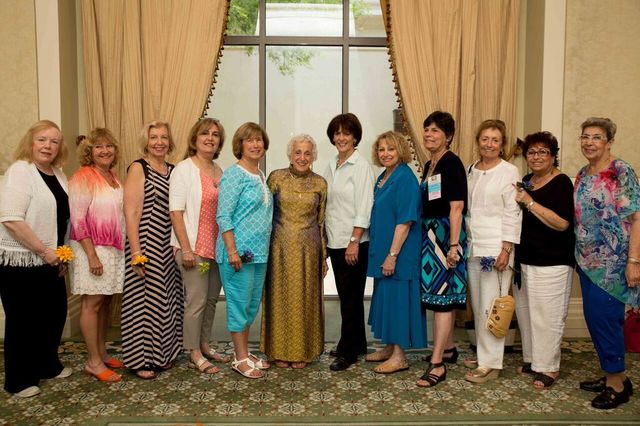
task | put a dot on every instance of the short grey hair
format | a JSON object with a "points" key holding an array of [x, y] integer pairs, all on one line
{"points": [[299, 139], [604, 123]]}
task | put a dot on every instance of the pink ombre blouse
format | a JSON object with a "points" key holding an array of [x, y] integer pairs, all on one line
{"points": [[95, 209]]}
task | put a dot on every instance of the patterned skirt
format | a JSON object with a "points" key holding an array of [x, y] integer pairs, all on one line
{"points": [[442, 289]]}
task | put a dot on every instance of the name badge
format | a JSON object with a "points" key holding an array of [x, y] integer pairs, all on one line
{"points": [[434, 186]]}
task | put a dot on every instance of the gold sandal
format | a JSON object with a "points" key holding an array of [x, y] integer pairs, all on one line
{"points": [[482, 374]]}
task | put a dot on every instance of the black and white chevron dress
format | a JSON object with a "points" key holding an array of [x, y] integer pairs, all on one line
{"points": [[152, 307]]}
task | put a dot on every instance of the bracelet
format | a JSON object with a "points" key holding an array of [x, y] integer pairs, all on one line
{"points": [[233, 252], [507, 249], [136, 252], [453, 244], [187, 252], [530, 205], [633, 260]]}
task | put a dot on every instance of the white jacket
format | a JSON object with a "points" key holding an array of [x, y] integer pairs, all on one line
{"points": [[24, 196], [493, 215]]}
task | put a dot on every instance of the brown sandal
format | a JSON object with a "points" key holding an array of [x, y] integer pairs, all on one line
{"points": [[391, 367]]}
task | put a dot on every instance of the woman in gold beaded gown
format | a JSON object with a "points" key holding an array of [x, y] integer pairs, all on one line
{"points": [[292, 313]]}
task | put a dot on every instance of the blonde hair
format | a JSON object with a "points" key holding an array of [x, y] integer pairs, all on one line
{"points": [[24, 151], [144, 136], [86, 143], [394, 140]]}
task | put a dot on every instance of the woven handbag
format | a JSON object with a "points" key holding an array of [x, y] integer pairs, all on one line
{"points": [[501, 312]]}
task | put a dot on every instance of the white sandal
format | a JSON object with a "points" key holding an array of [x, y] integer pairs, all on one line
{"points": [[235, 364], [203, 366], [260, 363]]}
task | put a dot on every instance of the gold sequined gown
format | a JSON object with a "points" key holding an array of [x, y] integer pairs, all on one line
{"points": [[292, 311]]}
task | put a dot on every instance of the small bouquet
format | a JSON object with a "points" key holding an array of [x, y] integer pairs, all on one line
{"points": [[487, 263], [246, 256], [525, 184], [139, 260], [64, 254], [203, 267]]}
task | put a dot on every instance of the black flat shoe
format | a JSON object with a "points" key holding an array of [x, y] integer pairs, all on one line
{"points": [[451, 359], [334, 353], [597, 385], [341, 363], [609, 398], [600, 385]]}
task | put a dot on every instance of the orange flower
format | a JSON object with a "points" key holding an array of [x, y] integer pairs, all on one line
{"points": [[64, 254], [139, 260]]}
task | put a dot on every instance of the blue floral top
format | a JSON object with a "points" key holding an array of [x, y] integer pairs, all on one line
{"points": [[603, 204], [245, 205]]}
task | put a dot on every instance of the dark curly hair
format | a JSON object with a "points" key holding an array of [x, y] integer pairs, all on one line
{"points": [[544, 138]]}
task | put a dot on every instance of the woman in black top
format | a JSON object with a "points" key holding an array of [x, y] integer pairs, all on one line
{"points": [[545, 254], [444, 241]]}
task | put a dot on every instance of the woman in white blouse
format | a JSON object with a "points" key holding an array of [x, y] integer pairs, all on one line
{"points": [[349, 200], [493, 227]]}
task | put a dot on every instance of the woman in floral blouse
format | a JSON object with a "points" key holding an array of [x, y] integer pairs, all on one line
{"points": [[607, 224]]}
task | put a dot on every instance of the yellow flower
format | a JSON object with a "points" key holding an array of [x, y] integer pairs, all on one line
{"points": [[203, 267], [139, 260], [64, 254]]}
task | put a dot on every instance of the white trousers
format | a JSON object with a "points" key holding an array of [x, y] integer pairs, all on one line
{"points": [[541, 306], [484, 287]]}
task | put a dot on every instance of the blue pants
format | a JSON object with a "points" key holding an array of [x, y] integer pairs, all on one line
{"points": [[604, 315], [243, 292]]}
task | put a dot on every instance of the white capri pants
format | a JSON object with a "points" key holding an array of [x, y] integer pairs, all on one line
{"points": [[484, 287], [541, 306]]}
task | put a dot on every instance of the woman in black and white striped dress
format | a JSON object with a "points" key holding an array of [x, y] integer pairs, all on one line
{"points": [[152, 300]]}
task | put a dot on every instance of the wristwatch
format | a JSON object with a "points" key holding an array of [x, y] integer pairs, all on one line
{"points": [[393, 254], [354, 240]]}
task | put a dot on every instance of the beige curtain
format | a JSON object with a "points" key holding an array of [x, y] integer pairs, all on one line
{"points": [[150, 60], [457, 56]]}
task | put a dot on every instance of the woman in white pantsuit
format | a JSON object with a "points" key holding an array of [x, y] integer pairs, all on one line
{"points": [[546, 256], [493, 227]]}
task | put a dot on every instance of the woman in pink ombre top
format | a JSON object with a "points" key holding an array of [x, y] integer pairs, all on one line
{"points": [[97, 239]]}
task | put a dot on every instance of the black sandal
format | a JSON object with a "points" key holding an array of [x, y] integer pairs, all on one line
{"points": [[431, 378], [451, 359], [145, 373], [547, 381], [526, 369]]}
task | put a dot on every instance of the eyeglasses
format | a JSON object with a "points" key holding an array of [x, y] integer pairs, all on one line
{"points": [[595, 138], [107, 146], [540, 153]]}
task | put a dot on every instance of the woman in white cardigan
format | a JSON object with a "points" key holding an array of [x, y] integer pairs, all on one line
{"points": [[193, 203], [34, 211], [493, 227]]}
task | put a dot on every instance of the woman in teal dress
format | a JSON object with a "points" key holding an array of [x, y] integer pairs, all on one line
{"points": [[395, 316]]}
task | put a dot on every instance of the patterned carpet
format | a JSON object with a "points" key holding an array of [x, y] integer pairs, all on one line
{"points": [[319, 396]]}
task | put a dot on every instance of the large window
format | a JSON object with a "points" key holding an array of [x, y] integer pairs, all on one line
{"points": [[291, 65]]}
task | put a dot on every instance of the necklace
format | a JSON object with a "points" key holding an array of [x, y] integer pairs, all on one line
{"points": [[107, 176], [162, 169], [541, 181], [387, 173], [434, 163]]}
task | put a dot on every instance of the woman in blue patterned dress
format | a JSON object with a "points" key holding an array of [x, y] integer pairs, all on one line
{"points": [[444, 241], [607, 224], [245, 210]]}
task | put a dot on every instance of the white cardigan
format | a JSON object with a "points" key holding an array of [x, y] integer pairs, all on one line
{"points": [[493, 215], [185, 194], [24, 196]]}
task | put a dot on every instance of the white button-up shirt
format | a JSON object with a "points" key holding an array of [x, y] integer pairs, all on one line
{"points": [[349, 199]]}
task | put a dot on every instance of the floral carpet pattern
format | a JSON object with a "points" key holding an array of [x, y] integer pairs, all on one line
{"points": [[318, 395]]}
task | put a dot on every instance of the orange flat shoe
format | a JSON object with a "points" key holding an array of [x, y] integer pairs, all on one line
{"points": [[113, 363], [107, 375]]}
